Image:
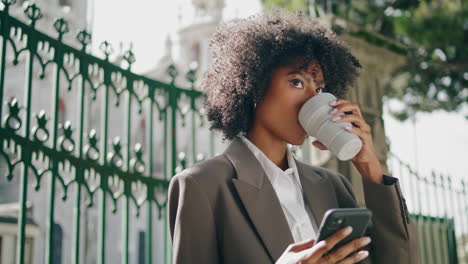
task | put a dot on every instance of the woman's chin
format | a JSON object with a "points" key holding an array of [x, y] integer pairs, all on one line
{"points": [[299, 139]]}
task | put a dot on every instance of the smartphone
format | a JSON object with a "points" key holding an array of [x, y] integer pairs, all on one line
{"points": [[336, 219]]}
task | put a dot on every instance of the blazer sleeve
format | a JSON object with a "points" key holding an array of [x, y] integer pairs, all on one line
{"points": [[393, 232], [191, 222]]}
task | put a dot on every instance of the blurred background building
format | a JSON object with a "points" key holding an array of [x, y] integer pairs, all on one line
{"points": [[115, 116]]}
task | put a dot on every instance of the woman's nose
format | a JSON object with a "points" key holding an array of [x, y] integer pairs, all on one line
{"points": [[311, 93], [308, 95]]}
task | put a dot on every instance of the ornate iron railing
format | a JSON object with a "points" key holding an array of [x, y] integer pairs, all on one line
{"points": [[439, 206], [73, 156]]}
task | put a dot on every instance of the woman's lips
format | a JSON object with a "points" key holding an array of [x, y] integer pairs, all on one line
{"points": [[302, 128]]}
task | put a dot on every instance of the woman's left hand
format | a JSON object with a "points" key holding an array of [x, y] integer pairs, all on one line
{"points": [[366, 160]]}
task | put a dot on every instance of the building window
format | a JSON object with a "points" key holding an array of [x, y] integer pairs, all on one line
{"points": [[196, 53], [65, 3]]}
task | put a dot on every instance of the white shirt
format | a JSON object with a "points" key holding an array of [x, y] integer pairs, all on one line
{"points": [[288, 188]]}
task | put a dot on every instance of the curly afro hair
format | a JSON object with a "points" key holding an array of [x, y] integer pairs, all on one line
{"points": [[245, 52]]}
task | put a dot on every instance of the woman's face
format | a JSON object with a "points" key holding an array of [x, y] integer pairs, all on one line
{"points": [[289, 88]]}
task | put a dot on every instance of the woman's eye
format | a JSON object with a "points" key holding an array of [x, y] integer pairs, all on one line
{"points": [[297, 83]]}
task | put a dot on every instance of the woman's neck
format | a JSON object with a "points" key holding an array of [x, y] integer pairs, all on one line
{"points": [[273, 147]]}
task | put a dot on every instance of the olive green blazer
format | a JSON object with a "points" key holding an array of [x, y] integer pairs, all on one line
{"points": [[225, 210]]}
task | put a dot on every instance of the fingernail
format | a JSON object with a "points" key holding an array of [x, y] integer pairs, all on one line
{"points": [[349, 127], [333, 103], [365, 241], [321, 243], [333, 111], [347, 230], [335, 118], [363, 254]]}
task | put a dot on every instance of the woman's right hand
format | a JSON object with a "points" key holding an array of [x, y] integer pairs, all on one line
{"points": [[306, 252]]}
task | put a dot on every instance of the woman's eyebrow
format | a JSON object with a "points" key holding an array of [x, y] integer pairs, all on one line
{"points": [[301, 74]]}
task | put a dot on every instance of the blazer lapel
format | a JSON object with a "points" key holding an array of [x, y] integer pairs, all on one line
{"points": [[318, 191], [259, 199]]}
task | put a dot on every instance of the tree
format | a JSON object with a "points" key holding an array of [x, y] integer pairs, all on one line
{"points": [[435, 37]]}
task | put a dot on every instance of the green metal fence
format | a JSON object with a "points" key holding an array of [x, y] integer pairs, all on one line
{"points": [[99, 167], [439, 206], [85, 161]]}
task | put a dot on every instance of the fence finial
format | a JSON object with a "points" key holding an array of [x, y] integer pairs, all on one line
{"points": [[129, 57], [84, 37], [33, 12], [191, 74], [106, 48], [172, 71], [61, 26]]}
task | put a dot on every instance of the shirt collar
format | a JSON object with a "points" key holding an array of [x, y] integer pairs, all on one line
{"points": [[270, 168]]}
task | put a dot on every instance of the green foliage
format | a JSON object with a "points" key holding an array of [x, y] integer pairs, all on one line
{"points": [[291, 5], [435, 33]]}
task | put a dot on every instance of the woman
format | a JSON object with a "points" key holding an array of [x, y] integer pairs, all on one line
{"points": [[256, 203]]}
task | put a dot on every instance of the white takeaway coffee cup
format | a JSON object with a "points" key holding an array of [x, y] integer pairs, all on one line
{"points": [[315, 117]]}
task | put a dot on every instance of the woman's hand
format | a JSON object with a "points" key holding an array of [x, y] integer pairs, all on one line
{"points": [[306, 253], [366, 160]]}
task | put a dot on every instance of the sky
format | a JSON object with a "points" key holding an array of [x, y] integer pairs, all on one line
{"points": [[436, 141], [147, 23]]}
